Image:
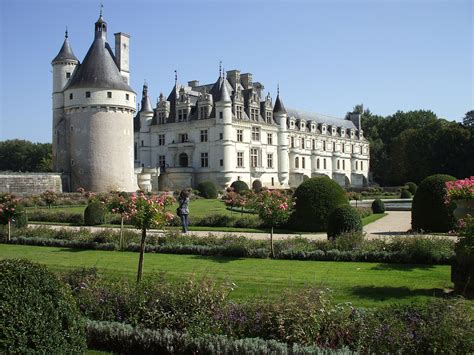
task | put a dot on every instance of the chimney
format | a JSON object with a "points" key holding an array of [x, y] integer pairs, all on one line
{"points": [[246, 80], [234, 77], [193, 83], [122, 42]]}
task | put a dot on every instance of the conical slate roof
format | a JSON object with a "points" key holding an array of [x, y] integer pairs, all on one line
{"points": [[65, 53], [98, 70], [279, 107], [223, 94], [146, 104]]}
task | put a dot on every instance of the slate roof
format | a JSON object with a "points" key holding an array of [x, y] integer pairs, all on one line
{"points": [[320, 118], [98, 70], [279, 107], [65, 53]]}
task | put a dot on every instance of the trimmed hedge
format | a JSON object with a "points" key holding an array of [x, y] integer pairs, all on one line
{"points": [[94, 214], [240, 186], [429, 211], [405, 193], [412, 187], [207, 189], [50, 215], [344, 219], [37, 311], [315, 199], [378, 206]]}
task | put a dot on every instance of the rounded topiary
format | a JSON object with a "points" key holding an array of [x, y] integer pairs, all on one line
{"points": [[378, 206], [315, 199], [207, 189], [411, 186], [240, 186], [405, 194], [429, 211], [344, 219], [37, 312], [94, 214], [257, 186]]}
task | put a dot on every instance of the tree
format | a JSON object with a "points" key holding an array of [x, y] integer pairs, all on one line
{"points": [[49, 197], [22, 155], [8, 210], [274, 208], [145, 213], [118, 205], [468, 119]]}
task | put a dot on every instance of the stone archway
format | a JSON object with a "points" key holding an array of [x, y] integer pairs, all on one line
{"points": [[183, 160]]}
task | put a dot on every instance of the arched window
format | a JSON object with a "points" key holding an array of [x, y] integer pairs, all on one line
{"points": [[297, 163], [183, 160]]}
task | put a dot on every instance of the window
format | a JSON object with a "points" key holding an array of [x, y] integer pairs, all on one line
{"points": [[324, 163], [361, 166], [182, 115], [292, 142], [256, 133], [338, 164], [333, 146], [317, 163], [221, 162], [221, 135], [343, 148], [183, 137], [314, 144], [142, 144], [343, 165], [72, 162], [221, 114], [127, 97], [161, 117], [303, 165], [88, 94], [161, 139], [68, 75], [269, 116], [161, 161], [204, 160], [324, 145], [109, 94], [357, 165], [273, 181], [269, 139], [240, 159], [270, 161], [183, 160], [297, 163], [135, 151], [254, 157], [302, 143], [254, 114], [204, 135], [353, 149], [203, 112], [70, 96], [239, 111], [240, 135]]}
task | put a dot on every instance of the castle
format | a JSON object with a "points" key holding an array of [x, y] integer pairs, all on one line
{"points": [[224, 131]]}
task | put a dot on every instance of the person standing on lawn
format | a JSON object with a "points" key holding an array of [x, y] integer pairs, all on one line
{"points": [[184, 209]]}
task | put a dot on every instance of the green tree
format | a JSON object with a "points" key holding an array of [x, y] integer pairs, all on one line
{"points": [[22, 155]]}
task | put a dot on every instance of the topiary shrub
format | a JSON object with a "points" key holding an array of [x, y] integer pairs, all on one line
{"points": [[344, 219], [378, 206], [405, 194], [315, 199], [429, 211], [412, 187], [94, 214], [207, 189], [37, 312], [240, 186]]}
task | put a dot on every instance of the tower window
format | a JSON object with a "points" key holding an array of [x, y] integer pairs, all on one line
{"points": [[88, 94], [68, 75], [221, 136], [109, 94], [72, 162], [317, 163], [324, 161], [70, 96], [303, 163], [143, 144], [297, 163], [127, 97], [221, 162], [221, 115]]}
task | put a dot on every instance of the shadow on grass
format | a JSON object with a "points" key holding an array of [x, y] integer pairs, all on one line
{"points": [[216, 259], [382, 293], [71, 250], [402, 267]]}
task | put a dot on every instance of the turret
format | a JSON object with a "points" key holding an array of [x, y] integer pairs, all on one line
{"points": [[146, 115], [280, 116], [224, 120]]}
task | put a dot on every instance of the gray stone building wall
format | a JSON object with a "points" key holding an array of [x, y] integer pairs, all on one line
{"points": [[30, 183]]}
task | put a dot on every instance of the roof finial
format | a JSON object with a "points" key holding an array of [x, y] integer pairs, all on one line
{"points": [[175, 77], [223, 73], [66, 35], [220, 68], [101, 7], [145, 83], [278, 89]]}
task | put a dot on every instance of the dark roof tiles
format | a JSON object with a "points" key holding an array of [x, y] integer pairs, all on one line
{"points": [[65, 53]]}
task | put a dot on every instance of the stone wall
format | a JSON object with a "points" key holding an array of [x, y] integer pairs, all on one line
{"points": [[30, 183]]}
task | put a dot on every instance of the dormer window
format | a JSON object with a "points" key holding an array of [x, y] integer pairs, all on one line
{"points": [[269, 116], [203, 113], [161, 117], [239, 112], [333, 131], [324, 129], [343, 132]]}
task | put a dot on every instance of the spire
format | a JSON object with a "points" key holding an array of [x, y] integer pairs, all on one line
{"points": [[65, 53], [279, 107], [223, 92], [101, 26], [146, 104]]}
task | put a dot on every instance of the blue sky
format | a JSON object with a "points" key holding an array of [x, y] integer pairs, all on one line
{"points": [[327, 56]]}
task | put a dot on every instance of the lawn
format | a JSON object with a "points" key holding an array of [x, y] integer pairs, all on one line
{"points": [[363, 284]]}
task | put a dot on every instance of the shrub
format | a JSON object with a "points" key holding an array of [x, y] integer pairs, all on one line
{"points": [[94, 214], [47, 215], [240, 186], [462, 269], [348, 241], [412, 187], [207, 189], [315, 199], [21, 220], [405, 194], [378, 206], [430, 212], [37, 312], [364, 211], [343, 219]]}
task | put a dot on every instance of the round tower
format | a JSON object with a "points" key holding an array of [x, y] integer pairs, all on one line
{"points": [[146, 115], [99, 105], [224, 119], [64, 66], [280, 115]]}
